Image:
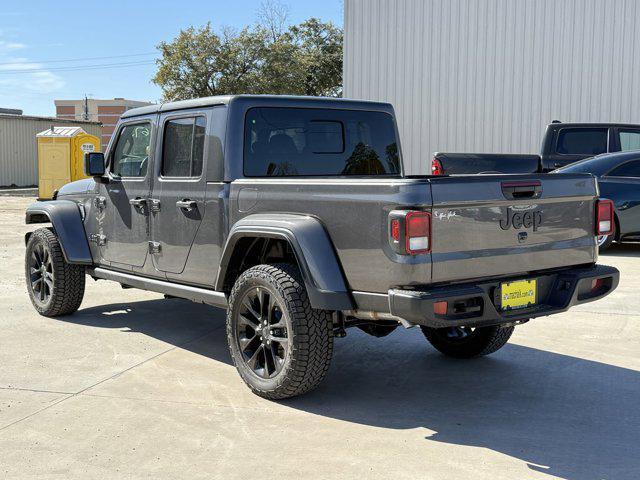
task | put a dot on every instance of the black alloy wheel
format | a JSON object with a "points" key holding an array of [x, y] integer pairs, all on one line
{"points": [[262, 333], [41, 273]]}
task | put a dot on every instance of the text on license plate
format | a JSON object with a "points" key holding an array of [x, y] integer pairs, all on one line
{"points": [[520, 294]]}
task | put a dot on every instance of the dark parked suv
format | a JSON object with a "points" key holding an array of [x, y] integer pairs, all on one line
{"points": [[295, 214]]}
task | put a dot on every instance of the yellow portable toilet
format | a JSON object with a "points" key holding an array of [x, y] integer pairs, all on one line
{"points": [[61, 157]]}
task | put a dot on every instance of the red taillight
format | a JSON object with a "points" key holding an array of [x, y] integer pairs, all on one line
{"points": [[395, 230], [604, 217], [597, 284], [418, 232], [436, 167], [440, 308]]}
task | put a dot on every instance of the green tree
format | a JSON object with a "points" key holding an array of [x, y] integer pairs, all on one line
{"points": [[318, 57], [304, 59]]}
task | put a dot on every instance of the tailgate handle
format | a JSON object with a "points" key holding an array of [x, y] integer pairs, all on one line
{"points": [[522, 190]]}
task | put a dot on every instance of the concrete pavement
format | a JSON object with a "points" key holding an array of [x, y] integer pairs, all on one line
{"points": [[136, 386]]}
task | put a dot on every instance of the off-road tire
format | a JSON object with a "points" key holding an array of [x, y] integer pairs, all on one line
{"points": [[482, 341], [310, 332], [68, 280]]}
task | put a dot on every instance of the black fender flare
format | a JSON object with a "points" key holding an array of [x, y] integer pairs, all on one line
{"points": [[66, 219], [316, 257]]}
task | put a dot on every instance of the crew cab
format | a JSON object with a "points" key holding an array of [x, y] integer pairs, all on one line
{"points": [[294, 214], [563, 143]]}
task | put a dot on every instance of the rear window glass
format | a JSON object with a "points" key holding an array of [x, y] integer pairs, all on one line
{"points": [[629, 169], [629, 140], [183, 147], [319, 142], [582, 141]]}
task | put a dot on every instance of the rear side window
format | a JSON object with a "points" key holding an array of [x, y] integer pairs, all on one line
{"points": [[582, 141], [183, 147], [319, 142], [629, 140], [131, 155], [629, 169]]}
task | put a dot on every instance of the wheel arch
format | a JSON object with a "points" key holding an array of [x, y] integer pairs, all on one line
{"points": [[299, 239], [66, 219]]}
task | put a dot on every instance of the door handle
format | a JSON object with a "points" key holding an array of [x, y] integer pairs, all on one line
{"points": [[557, 165], [138, 202], [187, 204]]}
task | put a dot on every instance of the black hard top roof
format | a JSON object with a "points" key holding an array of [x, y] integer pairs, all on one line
{"points": [[284, 100]]}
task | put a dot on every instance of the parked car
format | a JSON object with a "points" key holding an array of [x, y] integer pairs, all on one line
{"points": [[619, 180], [563, 143], [294, 214]]}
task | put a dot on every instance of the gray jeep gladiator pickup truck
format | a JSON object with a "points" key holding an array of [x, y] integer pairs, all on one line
{"points": [[294, 214]]}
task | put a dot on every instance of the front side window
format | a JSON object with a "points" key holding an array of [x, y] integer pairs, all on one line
{"points": [[629, 140], [131, 155], [183, 147], [582, 141], [629, 169], [319, 142]]}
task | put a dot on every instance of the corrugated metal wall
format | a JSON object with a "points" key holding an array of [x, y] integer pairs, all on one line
{"points": [[19, 150], [488, 75]]}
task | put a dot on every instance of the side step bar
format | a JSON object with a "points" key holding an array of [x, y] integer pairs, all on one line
{"points": [[199, 295]]}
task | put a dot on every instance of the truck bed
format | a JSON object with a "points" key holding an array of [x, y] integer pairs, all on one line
{"points": [[467, 239], [471, 163]]}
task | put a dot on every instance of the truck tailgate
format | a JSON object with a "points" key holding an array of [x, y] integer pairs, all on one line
{"points": [[495, 225]]}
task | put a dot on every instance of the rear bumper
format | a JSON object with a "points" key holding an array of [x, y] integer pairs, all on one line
{"points": [[557, 291]]}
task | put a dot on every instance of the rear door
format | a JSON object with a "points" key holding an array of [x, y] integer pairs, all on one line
{"points": [[486, 226], [178, 192], [122, 213]]}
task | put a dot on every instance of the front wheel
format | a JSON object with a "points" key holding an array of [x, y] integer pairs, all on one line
{"points": [[280, 346], [55, 286], [467, 342]]}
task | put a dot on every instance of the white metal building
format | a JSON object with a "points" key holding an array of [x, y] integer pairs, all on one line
{"points": [[488, 75], [19, 150]]}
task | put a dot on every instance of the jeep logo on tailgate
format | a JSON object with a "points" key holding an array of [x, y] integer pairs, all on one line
{"points": [[521, 219]]}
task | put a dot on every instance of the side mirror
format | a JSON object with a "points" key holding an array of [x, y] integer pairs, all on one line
{"points": [[94, 164]]}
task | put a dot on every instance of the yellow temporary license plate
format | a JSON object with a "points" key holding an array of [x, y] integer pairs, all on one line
{"points": [[520, 294]]}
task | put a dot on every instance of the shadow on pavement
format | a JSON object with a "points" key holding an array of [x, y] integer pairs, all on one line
{"points": [[622, 250], [564, 416]]}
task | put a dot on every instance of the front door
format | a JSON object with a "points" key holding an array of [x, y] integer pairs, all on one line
{"points": [[123, 213], [179, 189]]}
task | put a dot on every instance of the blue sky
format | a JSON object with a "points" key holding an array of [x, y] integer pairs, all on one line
{"points": [[37, 38]]}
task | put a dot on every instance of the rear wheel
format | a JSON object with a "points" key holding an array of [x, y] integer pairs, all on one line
{"points": [[280, 346], [55, 286], [467, 342]]}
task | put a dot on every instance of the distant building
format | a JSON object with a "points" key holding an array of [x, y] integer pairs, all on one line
{"points": [[18, 146], [10, 111], [106, 112]]}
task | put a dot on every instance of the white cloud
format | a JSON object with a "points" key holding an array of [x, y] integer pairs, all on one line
{"points": [[7, 47], [19, 76], [24, 83]]}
